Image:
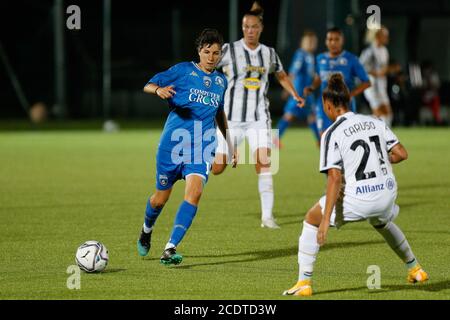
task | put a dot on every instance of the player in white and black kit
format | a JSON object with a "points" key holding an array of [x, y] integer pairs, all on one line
{"points": [[375, 60], [360, 149], [247, 64]]}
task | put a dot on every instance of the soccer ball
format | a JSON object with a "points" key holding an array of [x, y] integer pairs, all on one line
{"points": [[92, 256]]}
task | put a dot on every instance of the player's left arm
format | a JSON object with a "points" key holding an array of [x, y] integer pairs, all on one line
{"points": [[333, 189], [286, 83], [361, 74], [398, 153]]}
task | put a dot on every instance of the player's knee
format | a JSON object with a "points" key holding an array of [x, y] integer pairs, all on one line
{"points": [[312, 217], [288, 117], [218, 168], [157, 202], [193, 196], [311, 118], [263, 159]]}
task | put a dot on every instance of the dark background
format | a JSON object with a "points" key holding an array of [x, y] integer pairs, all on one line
{"points": [[145, 40]]}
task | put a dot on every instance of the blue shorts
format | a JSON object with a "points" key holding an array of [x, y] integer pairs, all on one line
{"points": [[169, 171], [300, 113], [322, 120]]}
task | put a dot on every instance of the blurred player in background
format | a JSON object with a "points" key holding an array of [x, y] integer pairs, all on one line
{"points": [[375, 59], [301, 73], [431, 86], [359, 149], [247, 64], [336, 60], [195, 93]]}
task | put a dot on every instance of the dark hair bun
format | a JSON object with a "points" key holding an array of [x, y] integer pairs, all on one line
{"points": [[336, 81], [336, 91]]}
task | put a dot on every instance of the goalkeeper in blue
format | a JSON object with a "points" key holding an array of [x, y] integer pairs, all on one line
{"points": [[195, 94]]}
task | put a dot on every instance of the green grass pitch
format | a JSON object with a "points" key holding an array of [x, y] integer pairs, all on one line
{"points": [[59, 189]]}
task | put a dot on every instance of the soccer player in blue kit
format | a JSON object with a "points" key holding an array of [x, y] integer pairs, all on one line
{"points": [[302, 72], [336, 60], [195, 94]]}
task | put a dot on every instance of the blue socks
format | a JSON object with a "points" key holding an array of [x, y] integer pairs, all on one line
{"points": [[183, 220], [315, 130], [151, 215], [282, 126]]}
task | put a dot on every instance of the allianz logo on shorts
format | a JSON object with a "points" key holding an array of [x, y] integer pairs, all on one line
{"points": [[204, 97], [369, 188]]}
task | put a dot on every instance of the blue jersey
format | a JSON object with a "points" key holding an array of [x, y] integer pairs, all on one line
{"points": [[302, 68], [346, 63], [349, 66], [190, 127]]}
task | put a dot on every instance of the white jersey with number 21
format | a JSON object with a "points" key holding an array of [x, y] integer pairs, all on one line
{"points": [[358, 145]]}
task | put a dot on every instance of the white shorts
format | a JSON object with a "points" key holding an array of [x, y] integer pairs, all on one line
{"points": [[344, 212], [377, 94], [258, 134]]}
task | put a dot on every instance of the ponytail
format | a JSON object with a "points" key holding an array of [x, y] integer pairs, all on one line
{"points": [[336, 91]]}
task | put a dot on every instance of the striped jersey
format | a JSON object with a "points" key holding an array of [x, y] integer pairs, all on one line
{"points": [[247, 72], [375, 58], [359, 145]]}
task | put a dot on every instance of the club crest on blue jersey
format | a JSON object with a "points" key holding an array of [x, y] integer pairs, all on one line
{"points": [[163, 179], [219, 82], [207, 81]]}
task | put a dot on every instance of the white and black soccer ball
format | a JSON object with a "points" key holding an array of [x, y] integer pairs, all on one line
{"points": [[92, 256]]}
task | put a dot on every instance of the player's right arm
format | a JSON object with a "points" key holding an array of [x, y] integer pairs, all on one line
{"points": [[315, 84], [331, 163], [162, 84], [359, 72], [162, 92], [333, 189], [316, 81]]}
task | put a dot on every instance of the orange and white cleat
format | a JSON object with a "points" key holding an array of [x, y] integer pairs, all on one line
{"points": [[302, 288], [417, 274]]}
